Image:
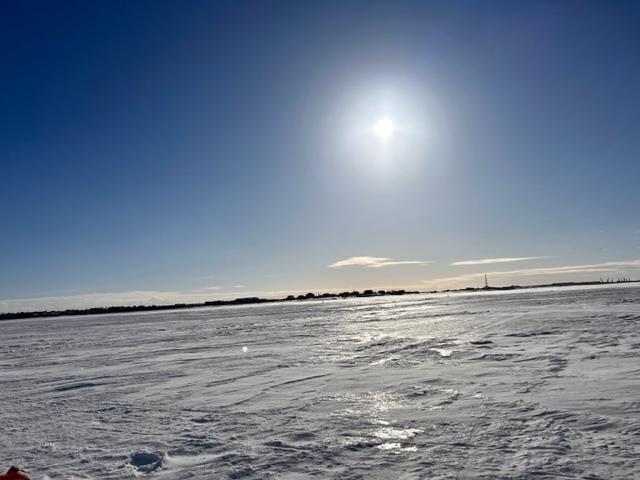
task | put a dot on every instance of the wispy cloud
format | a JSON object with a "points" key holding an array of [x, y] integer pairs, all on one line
{"points": [[507, 276], [375, 262], [213, 288], [485, 261], [595, 268]]}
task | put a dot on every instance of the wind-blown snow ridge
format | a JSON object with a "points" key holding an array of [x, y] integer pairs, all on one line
{"points": [[505, 385]]}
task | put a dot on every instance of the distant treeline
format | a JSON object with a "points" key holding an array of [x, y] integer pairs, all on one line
{"points": [[176, 306], [546, 285], [308, 296]]}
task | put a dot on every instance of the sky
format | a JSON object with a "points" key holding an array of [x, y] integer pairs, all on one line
{"points": [[155, 152]]}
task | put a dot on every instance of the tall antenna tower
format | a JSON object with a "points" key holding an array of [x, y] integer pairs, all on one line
{"points": [[486, 282]]}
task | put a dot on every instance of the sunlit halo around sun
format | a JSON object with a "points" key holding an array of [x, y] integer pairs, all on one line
{"points": [[384, 128]]}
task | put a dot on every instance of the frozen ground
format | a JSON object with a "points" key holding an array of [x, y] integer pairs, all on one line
{"points": [[510, 385]]}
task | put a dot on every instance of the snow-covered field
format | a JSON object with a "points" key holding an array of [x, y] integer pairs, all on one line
{"points": [[540, 384]]}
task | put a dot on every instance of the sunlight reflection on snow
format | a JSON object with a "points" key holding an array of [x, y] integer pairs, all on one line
{"points": [[389, 433], [397, 446], [374, 408]]}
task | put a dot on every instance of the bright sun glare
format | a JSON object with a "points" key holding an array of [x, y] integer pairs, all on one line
{"points": [[384, 128]]}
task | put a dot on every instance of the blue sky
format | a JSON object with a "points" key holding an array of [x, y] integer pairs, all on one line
{"points": [[157, 152]]}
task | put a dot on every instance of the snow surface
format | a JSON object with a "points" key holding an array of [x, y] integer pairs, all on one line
{"points": [[503, 385]]}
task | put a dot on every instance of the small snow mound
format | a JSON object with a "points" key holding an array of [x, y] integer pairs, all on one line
{"points": [[146, 462], [444, 352]]}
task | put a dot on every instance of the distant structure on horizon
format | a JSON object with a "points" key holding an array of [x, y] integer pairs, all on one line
{"points": [[486, 282]]}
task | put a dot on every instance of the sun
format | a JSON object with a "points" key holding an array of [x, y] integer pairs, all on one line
{"points": [[384, 128]]}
